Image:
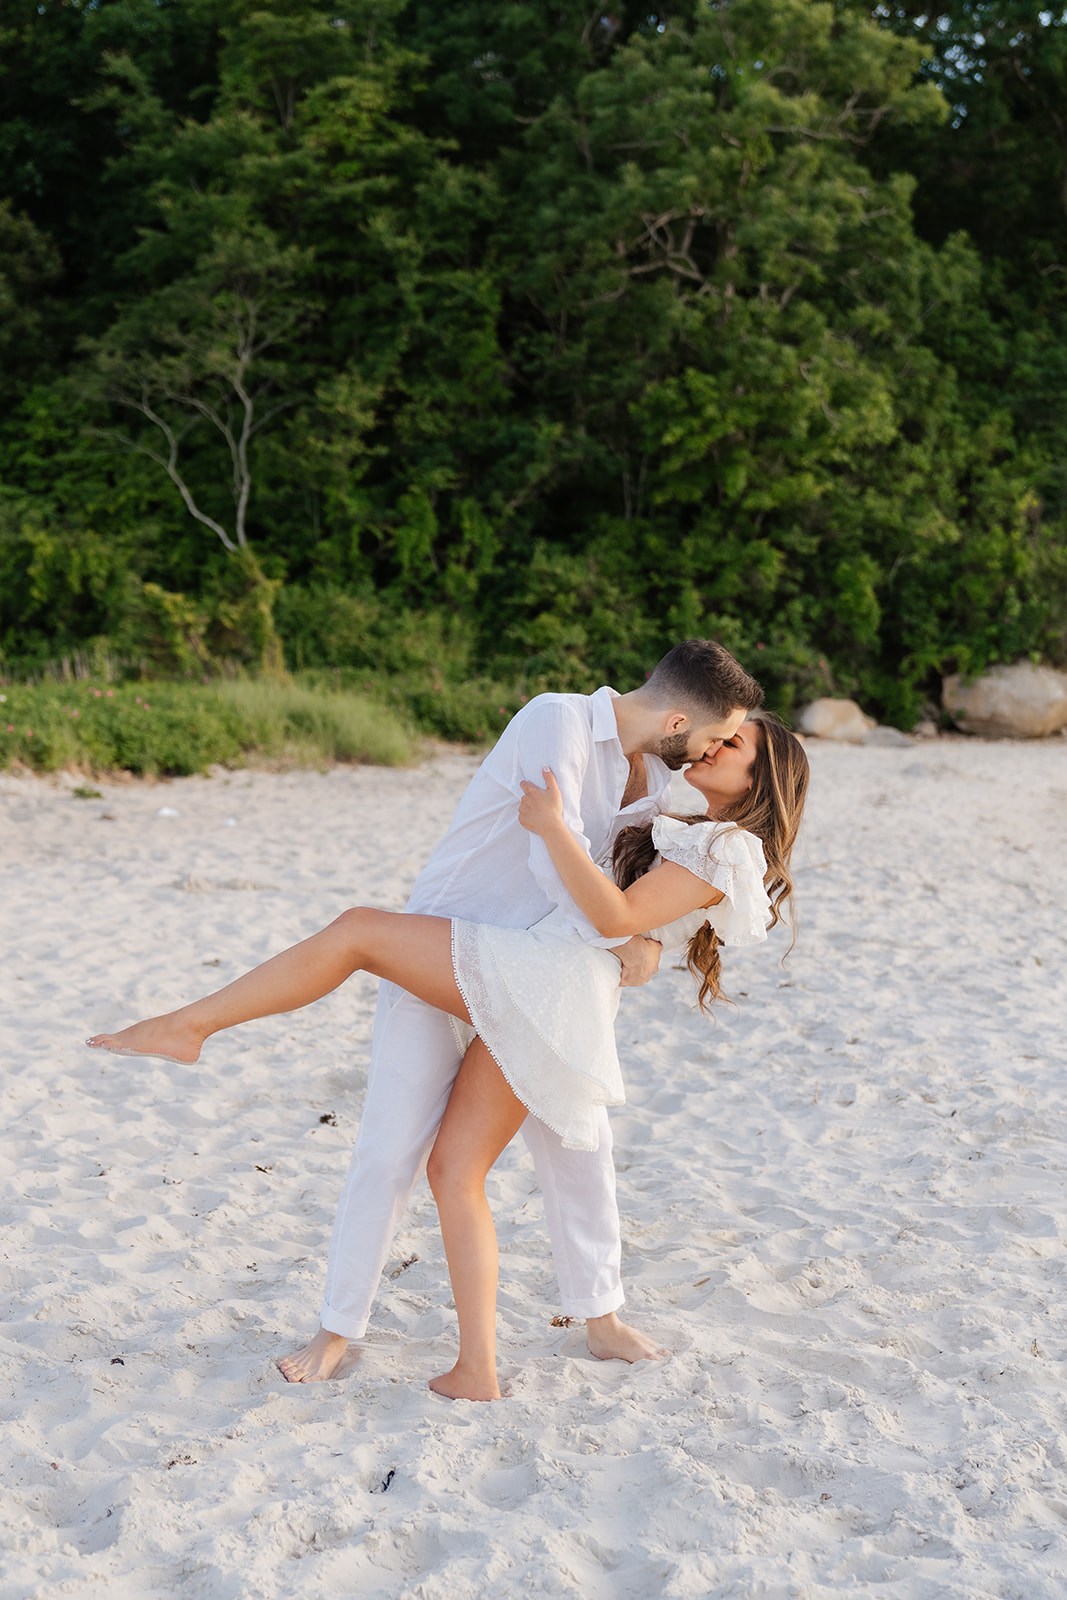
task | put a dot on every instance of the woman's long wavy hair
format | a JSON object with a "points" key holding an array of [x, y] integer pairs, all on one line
{"points": [[771, 809]]}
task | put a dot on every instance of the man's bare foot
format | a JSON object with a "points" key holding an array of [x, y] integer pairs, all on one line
{"points": [[463, 1384], [612, 1340], [324, 1357], [167, 1036]]}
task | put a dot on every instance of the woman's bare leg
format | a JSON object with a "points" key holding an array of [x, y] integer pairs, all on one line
{"points": [[480, 1120], [413, 951]]}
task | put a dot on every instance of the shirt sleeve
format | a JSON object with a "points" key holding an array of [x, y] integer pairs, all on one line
{"points": [[553, 734]]}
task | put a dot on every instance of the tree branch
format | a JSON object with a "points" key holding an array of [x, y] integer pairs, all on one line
{"points": [[169, 463]]}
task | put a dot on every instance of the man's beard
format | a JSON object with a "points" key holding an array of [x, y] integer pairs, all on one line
{"points": [[674, 750]]}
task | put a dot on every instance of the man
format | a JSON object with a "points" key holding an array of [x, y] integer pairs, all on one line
{"points": [[612, 756]]}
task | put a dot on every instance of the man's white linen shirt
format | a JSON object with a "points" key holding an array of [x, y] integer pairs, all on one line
{"points": [[487, 868]]}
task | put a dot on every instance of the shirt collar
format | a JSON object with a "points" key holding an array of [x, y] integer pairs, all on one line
{"points": [[604, 723]]}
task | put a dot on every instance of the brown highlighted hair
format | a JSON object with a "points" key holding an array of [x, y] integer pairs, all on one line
{"points": [[702, 678], [771, 809]]}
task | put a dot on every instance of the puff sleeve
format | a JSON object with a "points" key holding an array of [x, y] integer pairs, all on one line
{"points": [[728, 859]]}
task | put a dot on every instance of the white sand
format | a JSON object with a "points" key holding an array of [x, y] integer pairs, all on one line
{"points": [[843, 1205]]}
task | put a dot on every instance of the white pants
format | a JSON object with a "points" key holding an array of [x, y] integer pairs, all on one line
{"points": [[414, 1061]]}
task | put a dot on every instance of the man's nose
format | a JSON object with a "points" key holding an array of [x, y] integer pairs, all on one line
{"points": [[714, 747]]}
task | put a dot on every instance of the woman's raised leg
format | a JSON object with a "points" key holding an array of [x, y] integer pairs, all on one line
{"points": [[480, 1120], [413, 951]]}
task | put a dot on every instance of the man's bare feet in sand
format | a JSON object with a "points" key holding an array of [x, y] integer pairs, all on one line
{"points": [[167, 1036], [612, 1340], [464, 1384], [324, 1357]]}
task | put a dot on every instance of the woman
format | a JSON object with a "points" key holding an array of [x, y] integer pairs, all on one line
{"points": [[541, 1000]]}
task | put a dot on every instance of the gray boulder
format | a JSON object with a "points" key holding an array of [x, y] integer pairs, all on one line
{"points": [[835, 719], [1017, 702]]}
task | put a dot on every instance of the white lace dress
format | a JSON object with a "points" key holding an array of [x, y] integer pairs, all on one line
{"points": [[544, 1002]]}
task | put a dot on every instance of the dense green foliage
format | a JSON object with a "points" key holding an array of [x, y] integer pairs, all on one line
{"points": [[179, 728], [516, 340]]}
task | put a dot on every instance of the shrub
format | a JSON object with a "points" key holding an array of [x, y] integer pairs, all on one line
{"points": [[283, 718], [178, 729]]}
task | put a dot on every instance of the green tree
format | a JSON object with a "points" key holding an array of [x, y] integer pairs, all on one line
{"points": [[537, 333], [998, 170], [210, 348], [29, 268], [728, 312]]}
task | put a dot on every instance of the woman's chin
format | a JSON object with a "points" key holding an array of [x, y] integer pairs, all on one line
{"points": [[712, 801]]}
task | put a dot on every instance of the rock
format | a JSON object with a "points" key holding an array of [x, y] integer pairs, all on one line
{"points": [[1017, 702], [835, 719], [926, 729], [890, 736]]}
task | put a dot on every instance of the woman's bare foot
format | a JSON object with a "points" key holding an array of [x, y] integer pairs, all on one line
{"points": [[463, 1384], [324, 1357], [612, 1340], [168, 1037]]}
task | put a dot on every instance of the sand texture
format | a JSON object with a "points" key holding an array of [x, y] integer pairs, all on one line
{"points": [[843, 1206]]}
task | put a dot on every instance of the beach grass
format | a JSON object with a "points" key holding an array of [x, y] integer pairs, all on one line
{"points": [[176, 729], [334, 725]]}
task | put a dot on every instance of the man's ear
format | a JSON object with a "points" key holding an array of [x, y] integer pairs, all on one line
{"points": [[677, 722]]}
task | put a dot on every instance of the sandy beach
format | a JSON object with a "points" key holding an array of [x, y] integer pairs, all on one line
{"points": [[843, 1206]]}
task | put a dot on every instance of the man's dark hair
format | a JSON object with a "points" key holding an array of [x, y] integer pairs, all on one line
{"points": [[705, 681]]}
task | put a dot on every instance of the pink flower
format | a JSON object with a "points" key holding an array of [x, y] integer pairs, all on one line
{"points": [[761, 647], [145, 706], [29, 733], [98, 693], [11, 727], [75, 713], [137, 700], [110, 692]]}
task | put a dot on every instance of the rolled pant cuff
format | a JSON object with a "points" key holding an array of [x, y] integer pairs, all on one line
{"points": [[599, 1306], [335, 1322]]}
